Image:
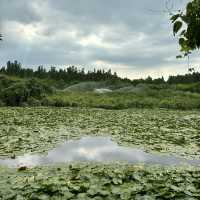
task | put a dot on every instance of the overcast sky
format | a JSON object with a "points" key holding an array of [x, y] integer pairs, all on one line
{"points": [[132, 37]]}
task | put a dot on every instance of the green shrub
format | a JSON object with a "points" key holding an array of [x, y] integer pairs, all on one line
{"points": [[33, 102], [105, 106], [47, 102], [2, 103], [73, 104], [59, 103], [24, 104], [15, 95], [194, 87], [165, 104], [180, 103], [20, 92]]}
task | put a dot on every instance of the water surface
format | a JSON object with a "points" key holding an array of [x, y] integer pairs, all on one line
{"points": [[95, 149]]}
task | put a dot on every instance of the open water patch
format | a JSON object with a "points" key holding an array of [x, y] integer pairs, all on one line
{"points": [[95, 149]]}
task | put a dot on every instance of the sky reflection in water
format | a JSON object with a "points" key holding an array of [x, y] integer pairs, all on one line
{"points": [[95, 149]]}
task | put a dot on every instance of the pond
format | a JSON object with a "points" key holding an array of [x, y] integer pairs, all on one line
{"points": [[95, 149]]}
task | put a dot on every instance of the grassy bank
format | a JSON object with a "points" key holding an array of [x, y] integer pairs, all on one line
{"points": [[166, 98], [15, 91]]}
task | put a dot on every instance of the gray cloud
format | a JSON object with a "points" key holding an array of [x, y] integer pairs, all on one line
{"points": [[23, 11], [135, 35]]}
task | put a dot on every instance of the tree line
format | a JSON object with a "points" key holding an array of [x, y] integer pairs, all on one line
{"points": [[69, 74], [72, 73]]}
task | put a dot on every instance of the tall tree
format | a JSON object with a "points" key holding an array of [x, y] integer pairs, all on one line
{"points": [[186, 24]]}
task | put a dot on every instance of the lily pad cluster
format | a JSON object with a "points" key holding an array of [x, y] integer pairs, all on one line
{"points": [[37, 130], [98, 182]]}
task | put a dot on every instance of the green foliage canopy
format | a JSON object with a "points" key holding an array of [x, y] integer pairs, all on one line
{"points": [[17, 93], [187, 26]]}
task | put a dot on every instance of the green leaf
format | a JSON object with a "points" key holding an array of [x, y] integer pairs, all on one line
{"points": [[175, 17], [183, 33], [177, 27], [179, 56], [175, 188], [94, 189], [182, 41]]}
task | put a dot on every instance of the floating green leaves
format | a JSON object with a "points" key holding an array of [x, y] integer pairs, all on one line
{"points": [[37, 130], [96, 182], [25, 130]]}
